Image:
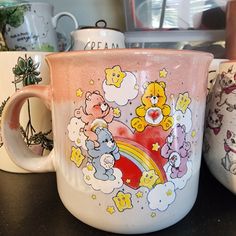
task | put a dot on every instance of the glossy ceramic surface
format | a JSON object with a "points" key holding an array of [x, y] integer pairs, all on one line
{"points": [[20, 69], [31, 26], [220, 132], [128, 128]]}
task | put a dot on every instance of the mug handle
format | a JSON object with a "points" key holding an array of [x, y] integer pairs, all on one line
{"points": [[57, 17], [13, 141]]}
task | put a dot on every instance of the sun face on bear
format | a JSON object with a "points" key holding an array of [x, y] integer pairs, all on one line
{"points": [[114, 76]]}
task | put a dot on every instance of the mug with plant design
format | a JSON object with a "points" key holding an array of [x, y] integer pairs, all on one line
{"points": [[18, 70], [31, 26]]}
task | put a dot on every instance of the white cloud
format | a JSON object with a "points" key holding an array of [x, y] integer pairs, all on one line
{"points": [[75, 129], [127, 91], [100, 185], [179, 182], [161, 196], [183, 119]]}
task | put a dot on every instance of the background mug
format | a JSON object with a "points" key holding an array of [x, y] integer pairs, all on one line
{"points": [[99, 37], [128, 127], [213, 72], [220, 131], [20, 69], [31, 27]]}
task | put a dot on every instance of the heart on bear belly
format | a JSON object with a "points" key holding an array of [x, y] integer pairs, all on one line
{"points": [[154, 115]]}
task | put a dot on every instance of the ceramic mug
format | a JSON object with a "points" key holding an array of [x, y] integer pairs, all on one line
{"points": [[98, 37], [31, 26], [128, 127], [20, 69], [213, 72], [220, 132]]}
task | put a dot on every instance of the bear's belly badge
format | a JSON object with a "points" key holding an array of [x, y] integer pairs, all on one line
{"points": [[154, 116]]}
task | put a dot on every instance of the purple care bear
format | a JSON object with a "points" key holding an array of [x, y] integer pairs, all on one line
{"points": [[177, 151]]}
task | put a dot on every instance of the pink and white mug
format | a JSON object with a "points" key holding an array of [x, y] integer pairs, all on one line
{"points": [[128, 127]]}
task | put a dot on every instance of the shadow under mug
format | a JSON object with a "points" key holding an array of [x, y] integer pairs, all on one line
{"points": [[127, 132], [32, 27]]}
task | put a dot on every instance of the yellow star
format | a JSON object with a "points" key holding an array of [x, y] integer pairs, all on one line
{"points": [[193, 134], [128, 181], [139, 194], [91, 82], [89, 167], [155, 147], [79, 93], [136, 87], [94, 197], [183, 101], [110, 210], [169, 192], [87, 177], [116, 112], [163, 73], [153, 214], [114, 76]]}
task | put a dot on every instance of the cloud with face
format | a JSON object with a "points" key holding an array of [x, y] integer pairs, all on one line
{"points": [[161, 196], [121, 95], [179, 183], [76, 134], [100, 185]]}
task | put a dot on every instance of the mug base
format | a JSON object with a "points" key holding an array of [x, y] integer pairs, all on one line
{"points": [[79, 203]]}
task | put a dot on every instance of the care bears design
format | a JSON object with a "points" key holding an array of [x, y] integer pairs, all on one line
{"points": [[154, 111], [104, 156], [177, 151], [96, 112], [229, 160], [129, 140]]}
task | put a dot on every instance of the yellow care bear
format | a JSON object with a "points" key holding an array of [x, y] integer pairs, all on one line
{"points": [[154, 111]]}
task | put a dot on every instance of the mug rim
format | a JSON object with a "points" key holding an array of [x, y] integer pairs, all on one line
{"points": [[144, 51], [228, 61], [92, 29], [24, 52], [27, 3]]}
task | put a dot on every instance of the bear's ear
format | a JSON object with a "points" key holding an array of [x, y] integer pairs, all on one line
{"points": [[162, 84], [97, 92], [184, 128], [98, 130], [87, 95], [145, 85]]}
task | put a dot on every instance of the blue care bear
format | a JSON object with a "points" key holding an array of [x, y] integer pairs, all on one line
{"points": [[104, 156]]}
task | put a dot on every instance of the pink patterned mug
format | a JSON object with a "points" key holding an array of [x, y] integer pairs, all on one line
{"points": [[128, 127]]}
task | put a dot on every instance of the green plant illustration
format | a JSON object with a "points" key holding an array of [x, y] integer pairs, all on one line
{"points": [[46, 48], [1, 110], [13, 16], [26, 73]]}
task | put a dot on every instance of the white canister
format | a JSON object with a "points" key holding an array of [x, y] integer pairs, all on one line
{"points": [[98, 37]]}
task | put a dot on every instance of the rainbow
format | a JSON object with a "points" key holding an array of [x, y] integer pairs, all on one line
{"points": [[139, 156]]}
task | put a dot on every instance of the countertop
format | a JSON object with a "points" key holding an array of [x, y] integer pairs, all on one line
{"points": [[30, 205]]}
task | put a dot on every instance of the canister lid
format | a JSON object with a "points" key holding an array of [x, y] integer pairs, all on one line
{"points": [[100, 24]]}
